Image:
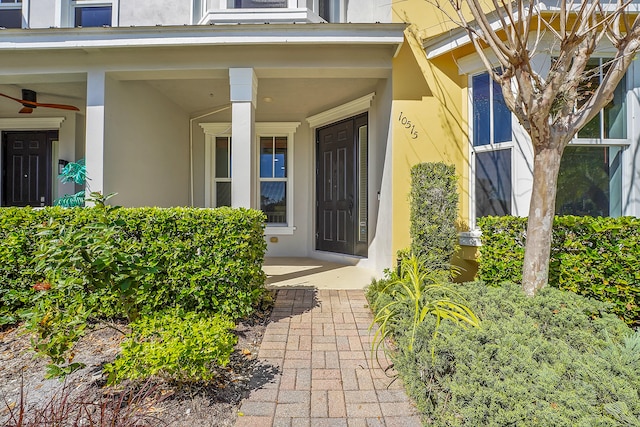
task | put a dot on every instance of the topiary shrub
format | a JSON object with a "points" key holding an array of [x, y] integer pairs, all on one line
{"points": [[557, 359], [434, 209], [595, 257]]}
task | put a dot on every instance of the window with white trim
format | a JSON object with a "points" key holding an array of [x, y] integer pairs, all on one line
{"points": [[590, 177], [222, 172], [11, 13], [275, 173], [611, 122], [255, 4], [274, 170], [89, 13], [273, 178], [492, 135]]}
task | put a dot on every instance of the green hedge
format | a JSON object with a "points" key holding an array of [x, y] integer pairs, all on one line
{"points": [[595, 257], [203, 259], [434, 209]]}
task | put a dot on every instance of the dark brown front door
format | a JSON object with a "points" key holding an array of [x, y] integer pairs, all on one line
{"points": [[337, 188], [26, 168]]}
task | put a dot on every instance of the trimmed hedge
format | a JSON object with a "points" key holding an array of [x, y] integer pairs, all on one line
{"points": [[203, 259], [596, 257], [434, 209]]}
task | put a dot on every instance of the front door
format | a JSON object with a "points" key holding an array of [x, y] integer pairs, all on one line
{"points": [[26, 168], [340, 187]]}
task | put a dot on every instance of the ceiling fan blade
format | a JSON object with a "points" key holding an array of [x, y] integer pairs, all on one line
{"points": [[29, 102], [11, 97], [58, 106]]}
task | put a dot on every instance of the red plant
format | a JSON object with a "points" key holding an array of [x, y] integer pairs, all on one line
{"points": [[42, 286]]}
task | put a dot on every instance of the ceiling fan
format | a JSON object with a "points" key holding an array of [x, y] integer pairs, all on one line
{"points": [[29, 102]]}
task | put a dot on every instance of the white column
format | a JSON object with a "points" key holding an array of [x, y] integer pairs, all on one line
{"points": [[244, 87], [94, 142]]}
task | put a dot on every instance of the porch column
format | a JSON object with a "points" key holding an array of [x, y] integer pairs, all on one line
{"points": [[244, 87], [94, 138]]}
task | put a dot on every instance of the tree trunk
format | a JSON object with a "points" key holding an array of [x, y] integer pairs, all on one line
{"points": [[535, 272]]}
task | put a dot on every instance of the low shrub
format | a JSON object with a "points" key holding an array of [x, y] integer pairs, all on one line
{"points": [[557, 359], [183, 347], [594, 257]]}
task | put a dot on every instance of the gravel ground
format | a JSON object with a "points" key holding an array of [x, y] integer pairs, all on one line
{"points": [[155, 403]]}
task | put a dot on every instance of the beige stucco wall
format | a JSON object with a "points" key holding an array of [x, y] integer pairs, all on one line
{"points": [[146, 147], [431, 96]]}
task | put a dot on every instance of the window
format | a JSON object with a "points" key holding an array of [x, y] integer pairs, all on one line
{"points": [[492, 128], [273, 179], [11, 13], [493, 183], [90, 13], [274, 171], [590, 182], [491, 116], [222, 179], [255, 4], [611, 122], [330, 10]]}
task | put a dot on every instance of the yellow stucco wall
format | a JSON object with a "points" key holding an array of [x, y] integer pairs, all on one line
{"points": [[430, 95]]}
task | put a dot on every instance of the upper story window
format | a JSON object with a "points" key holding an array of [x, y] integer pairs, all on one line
{"points": [[89, 13], [11, 13], [273, 11], [330, 10], [611, 122], [254, 4]]}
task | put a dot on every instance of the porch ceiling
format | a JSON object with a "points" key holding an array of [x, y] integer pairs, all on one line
{"points": [[294, 80]]}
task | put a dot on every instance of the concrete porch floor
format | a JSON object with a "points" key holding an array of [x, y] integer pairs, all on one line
{"points": [[292, 272]]}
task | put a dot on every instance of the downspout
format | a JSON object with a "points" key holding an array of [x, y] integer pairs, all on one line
{"points": [[191, 146]]}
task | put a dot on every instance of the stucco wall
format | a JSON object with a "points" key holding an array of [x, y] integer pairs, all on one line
{"points": [[429, 125], [368, 11], [146, 147], [42, 14], [152, 12]]}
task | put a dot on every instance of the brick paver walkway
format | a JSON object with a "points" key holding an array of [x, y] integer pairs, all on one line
{"points": [[320, 343]]}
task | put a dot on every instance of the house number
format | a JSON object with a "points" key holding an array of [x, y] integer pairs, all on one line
{"points": [[408, 125]]}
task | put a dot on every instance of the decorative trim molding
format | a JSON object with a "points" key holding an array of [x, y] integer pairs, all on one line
{"points": [[277, 128], [216, 129], [31, 123], [343, 111]]}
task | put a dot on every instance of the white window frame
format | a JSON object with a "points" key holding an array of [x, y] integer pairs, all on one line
{"points": [[213, 131], [67, 10], [263, 129], [17, 5], [625, 142], [473, 149], [274, 130]]}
